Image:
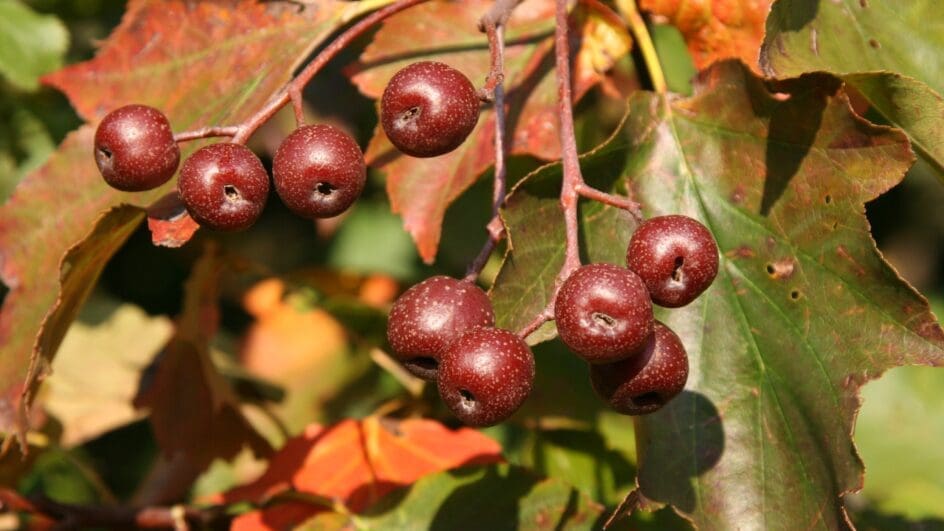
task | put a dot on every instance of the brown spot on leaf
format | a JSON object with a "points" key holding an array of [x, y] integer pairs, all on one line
{"points": [[844, 254], [743, 251], [781, 269], [737, 196], [874, 44]]}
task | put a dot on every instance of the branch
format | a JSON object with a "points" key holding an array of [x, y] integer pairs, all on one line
{"points": [[494, 89], [70, 516], [292, 91]]}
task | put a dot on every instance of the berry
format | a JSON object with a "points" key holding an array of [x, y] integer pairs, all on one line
{"points": [[428, 109], [486, 375], [675, 256], [224, 186], [644, 383], [603, 313], [135, 148], [319, 171], [432, 315]]}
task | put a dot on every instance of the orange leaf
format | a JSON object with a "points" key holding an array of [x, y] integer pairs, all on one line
{"points": [[356, 463], [717, 29]]}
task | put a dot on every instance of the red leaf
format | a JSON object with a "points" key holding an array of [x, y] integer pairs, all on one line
{"points": [[169, 222], [356, 462], [422, 189], [202, 63], [717, 29]]}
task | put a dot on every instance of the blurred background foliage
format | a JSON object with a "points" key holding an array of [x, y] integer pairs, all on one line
{"points": [[300, 349]]}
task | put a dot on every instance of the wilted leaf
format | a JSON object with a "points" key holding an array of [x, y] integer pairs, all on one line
{"points": [[422, 189], [204, 63], [803, 311], [97, 370], [716, 29], [193, 411], [888, 50], [356, 462], [30, 44]]}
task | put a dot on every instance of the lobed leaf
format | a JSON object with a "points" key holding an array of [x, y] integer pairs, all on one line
{"points": [[888, 51], [804, 309]]}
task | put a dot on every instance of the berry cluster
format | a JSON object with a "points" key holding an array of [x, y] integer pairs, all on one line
{"points": [[427, 109], [442, 329]]}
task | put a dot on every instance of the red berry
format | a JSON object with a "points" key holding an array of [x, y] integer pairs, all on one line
{"points": [[428, 109], [319, 171], [432, 315], [603, 313], [486, 375], [644, 383], [224, 186], [675, 256], [135, 148]]}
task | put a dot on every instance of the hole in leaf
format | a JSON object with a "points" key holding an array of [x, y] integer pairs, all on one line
{"points": [[468, 399], [795, 295], [677, 272], [828, 199], [231, 192], [771, 269], [325, 189], [603, 319], [651, 398]]}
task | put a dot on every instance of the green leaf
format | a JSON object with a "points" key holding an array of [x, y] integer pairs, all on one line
{"points": [[804, 309], [898, 433], [492, 497], [30, 44], [888, 50]]}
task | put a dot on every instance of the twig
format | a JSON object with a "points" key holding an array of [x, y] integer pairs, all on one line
{"points": [[616, 201], [292, 91], [638, 26], [205, 132], [178, 517], [494, 89]]}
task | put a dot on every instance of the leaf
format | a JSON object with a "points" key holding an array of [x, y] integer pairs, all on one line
{"points": [[495, 497], [898, 433], [888, 51], [421, 189], [803, 311], [716, 29], [193, 411], [87, 402], [204, 63], [30, 44], [356, 462]]}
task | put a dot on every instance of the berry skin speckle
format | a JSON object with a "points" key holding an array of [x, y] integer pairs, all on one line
{"points": [[428, 109]]}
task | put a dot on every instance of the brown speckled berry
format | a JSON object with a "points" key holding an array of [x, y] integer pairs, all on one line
{"points": [[135, 148], [603, 313], [428, 109], [486, 375], [675, 256], [432, 315], [644, 383], [224, 186], [318, 171]]}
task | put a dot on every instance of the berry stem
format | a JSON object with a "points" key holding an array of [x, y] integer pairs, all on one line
{"points": [[616, 201], [292, 91], [494, 90], [638, 26], [205, 132]]}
